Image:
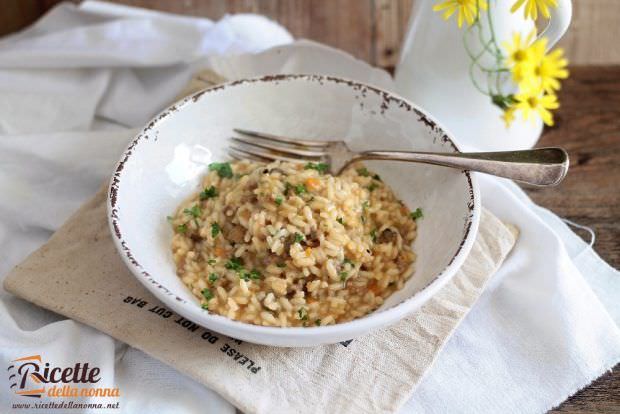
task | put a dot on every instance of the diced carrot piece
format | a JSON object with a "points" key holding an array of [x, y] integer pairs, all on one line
{"points": [[312, 184], [220, 252], [373, 287]]}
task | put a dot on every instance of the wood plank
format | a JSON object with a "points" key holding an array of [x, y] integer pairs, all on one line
{"points": [[17, 14], [369, 29], [588, 126], [391, 22], [387, 33], [593, 35]]}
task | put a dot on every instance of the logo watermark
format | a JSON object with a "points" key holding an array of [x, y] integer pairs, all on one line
{"points": [[31, 377]]}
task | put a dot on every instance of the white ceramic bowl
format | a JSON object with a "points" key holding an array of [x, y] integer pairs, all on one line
{"points": [[164, 163]]}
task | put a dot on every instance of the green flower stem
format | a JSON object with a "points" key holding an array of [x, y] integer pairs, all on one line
{"points": [[494, 75]]}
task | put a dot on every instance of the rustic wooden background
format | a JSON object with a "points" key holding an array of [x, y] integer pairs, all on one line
{"points": [[587, 124], [369, 29]]}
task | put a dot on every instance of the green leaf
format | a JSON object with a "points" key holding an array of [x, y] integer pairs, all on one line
{"points": [[235, 264], [213, 277], [211, 261], [321, 167], [373, 235], [300, 189], [303, 314], [224, 170], [279, 200], [340, 220], [287, 188], [317, 322], [255, 274], [416, 214], [215, 229], [195, 211], [343, 276], [372, 187], [207, 294], [299, 237], [207, 193], [363, 172], [182, 228]]}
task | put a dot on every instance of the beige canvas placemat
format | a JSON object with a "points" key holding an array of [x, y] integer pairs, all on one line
{"points": [[79, 274]]}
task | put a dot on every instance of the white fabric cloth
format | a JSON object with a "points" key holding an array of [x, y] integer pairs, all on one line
{"points": [[73, 85]]}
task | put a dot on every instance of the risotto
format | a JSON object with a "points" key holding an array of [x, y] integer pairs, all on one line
{"points": [[287, 244]]}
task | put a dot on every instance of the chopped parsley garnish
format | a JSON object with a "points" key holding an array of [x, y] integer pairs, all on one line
{"points": [[373, 235], [416, 214], [343, 276], [376, 177], [207, 294], [195, 211], [365, 205], [281, 265], [321, 167], [211, 261], [182, 228], [363, 172], [205, 306], [215, 229], [287, 187], [345, 261], [299, 237], [223, 169], [303, 314], [300, 189], [340, 220], [279, 200], [372, 187], [207, 193], [255, 274], [235, 264], [317, 322], [213, 277]]}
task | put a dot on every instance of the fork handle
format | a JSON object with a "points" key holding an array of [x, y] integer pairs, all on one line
{"points": [[538, 167]]}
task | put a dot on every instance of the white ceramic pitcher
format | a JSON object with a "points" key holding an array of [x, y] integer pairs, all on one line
{"points": [[434, 73]]}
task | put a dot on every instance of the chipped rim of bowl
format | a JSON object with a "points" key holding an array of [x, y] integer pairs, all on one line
{"points": [[375, 319]]}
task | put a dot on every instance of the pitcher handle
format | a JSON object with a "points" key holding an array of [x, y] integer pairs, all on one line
{"points": [[558, 23]]}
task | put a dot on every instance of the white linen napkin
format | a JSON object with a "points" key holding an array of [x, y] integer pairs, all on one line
{"points": [[539, 333]]}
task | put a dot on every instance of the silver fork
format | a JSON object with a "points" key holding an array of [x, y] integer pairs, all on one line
{"points": [[538, 167]]}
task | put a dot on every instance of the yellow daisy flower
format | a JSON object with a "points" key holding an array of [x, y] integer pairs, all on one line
{"points": [[509, 116], [533, 6], [534, 101], [519, 56], [467, 9], [551, 68], [545, 69]]}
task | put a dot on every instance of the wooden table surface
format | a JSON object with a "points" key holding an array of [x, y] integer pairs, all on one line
{"points": [[588, 127], [587, 124]]}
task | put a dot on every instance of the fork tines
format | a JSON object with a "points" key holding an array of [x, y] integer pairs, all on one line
{"points": [[267, 147]]}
